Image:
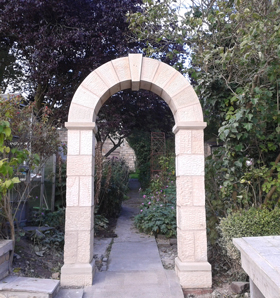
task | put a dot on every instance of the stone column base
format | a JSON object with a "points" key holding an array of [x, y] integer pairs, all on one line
{"points": [[194, 274], [77, 275]]}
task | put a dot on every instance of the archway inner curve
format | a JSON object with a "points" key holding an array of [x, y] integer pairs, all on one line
{"points": [[136, 72]]}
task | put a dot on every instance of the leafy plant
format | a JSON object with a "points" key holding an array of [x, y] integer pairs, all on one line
{"points": [[158, 211], [253, 222], [114, 186]]}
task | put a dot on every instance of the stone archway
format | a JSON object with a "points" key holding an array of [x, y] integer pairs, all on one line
{"points": [[136, 72]]}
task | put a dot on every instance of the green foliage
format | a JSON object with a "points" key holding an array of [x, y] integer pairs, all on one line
{"points": [[55, 219], [158, 211], [253, 222], [114, 187], [140, 142]]}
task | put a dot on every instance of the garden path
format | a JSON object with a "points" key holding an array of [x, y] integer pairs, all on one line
{"points": [[134, 267]]}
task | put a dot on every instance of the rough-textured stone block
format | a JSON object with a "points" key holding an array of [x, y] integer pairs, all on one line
{"points": [[190, 113], [194, 274], [184, 191], [191, 218], [70, 247], [185, 98], [198, 190], [97, 86], [109, 76], [77, 275], [190, 165], [87, 141], [239, 287], [84, 97], [86, 194], [163, 75], [183, 142], [85, 246], [175, 85], [78, 113], [79, 218], [149, 69], [121, 66], [80, 165], [186, 245], [200, 246], [197, 142], [73, 144], [135, 65], [72, 191]]}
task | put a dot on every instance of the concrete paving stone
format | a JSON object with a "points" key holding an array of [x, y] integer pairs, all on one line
{"points": [[127, 256], [28, 284], [101, 245], [70, 293]]}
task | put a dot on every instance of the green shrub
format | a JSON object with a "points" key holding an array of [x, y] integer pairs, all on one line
{"points": [[158, 211], [114, 186], [253, 222]]}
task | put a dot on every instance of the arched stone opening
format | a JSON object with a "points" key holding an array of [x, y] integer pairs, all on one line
{"points": [[136, 72]]}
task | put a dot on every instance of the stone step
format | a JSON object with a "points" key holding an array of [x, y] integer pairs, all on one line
{"points": [[70, 293], [26, 287]]}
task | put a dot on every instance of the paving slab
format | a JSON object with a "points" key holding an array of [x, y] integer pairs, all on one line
{"points": [[134, 267], [23, 287], [70, 293]]}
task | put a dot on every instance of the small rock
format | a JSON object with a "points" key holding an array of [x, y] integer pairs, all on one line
{"points": [[39, 234], [39, 253], [105, 260], [173, 241], [55, 275], [17, 256], [239, 287]]}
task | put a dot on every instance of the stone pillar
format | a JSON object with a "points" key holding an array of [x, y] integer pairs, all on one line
{"points": [[191, 264], [79, 266]]}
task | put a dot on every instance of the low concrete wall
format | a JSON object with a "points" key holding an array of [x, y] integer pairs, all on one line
{"points": [[6, 247]]}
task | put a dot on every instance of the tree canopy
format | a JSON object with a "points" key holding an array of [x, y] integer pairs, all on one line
{"points": [[235, 69], [58, 43]]}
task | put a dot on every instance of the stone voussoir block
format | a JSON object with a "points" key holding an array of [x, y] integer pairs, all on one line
{"points": [[109, 76], [84, 97], [96, 85], [135, 65], [189, 113], [122, 69], [163, 75], [78, 113], [149, 69]]}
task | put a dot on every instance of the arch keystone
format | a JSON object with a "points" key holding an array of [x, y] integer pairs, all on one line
{"points": [[135, 65]]}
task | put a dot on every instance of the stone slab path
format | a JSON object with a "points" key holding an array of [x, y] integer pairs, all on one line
{"points": [[134, 267]]}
